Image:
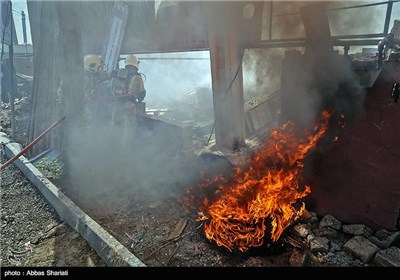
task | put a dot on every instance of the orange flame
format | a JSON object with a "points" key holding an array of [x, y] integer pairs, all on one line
{"points": [[264, 196]]}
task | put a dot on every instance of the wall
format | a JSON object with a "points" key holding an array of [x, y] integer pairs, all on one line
{"points": [[358, 179]]}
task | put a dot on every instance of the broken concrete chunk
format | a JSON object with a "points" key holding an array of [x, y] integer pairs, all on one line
{"points": [[4, 139], [298, 258], [388, 257], [313, 219], [357, 229], [384, 238], [319, 244], [330, 221], [361, 247], [335, 247], [303, 230], [51, 225], [326, 232], [382, 234]]}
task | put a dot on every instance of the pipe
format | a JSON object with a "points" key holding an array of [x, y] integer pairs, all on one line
{"points": [[31, 144], [24, 27]]}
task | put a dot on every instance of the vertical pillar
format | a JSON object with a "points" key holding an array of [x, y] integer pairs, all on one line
{"points": [[227, 77], [316, 25], [302, 75]]}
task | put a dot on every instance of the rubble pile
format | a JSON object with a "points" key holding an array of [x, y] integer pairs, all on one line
{"points": [[328, 242], [365, 61]]}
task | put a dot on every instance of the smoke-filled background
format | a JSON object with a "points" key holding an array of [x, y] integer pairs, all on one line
{"points": [[153, 159]]}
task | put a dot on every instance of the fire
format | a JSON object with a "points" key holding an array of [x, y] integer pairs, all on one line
{"points": [[265, 195]]}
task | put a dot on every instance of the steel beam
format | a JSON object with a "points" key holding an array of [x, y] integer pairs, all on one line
{"points": [[227, 83]]}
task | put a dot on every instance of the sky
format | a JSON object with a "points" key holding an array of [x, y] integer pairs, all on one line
{"points": [[18, 7]]}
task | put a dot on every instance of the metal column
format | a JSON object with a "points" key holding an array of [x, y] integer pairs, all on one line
{"points": [[227, 82]]}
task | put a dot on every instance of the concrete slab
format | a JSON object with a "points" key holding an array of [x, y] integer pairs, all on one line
{"points": [[388, 257], [107, 247], [361, 247]]}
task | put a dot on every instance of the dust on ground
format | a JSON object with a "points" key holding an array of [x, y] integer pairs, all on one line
{"points": [[32, 234], [142, 221]]}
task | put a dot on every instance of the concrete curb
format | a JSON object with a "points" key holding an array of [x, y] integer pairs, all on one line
{"points": [[112, 252]]}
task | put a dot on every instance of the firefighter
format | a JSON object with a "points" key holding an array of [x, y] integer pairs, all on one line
{"points": [[387, 44], [135, 81], [128, 89], [94, 75], [96, 90]]}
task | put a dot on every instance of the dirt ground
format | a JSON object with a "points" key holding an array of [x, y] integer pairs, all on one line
{"points": [[32, 234], [145, 225], [150, 222]]}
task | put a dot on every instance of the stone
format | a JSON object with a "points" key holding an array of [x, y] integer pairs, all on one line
{"points": [[51, 226], [302, 230], [4, 139], [330, 221], [319, 244], [357, 229], [311, 218], [75, 236], [35, 240], [335, 247], [298, 258], [388, 257], [326, 232], [314, 218], [361, 247], [382, 234], [384, 238]]}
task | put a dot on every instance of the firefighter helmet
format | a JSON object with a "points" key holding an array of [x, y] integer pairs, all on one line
{"points": [[132, 60], [92, 63]]}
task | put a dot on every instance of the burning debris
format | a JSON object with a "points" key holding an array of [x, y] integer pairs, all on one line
{"points": [[264, 197]]}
